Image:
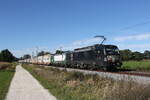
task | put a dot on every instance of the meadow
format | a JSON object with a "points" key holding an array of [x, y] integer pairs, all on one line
{"points": [[137, 65], [77, 86], [7, 71]]}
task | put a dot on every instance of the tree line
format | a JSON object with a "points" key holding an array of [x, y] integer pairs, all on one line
{"points": [[7, 56], [127, 55]]}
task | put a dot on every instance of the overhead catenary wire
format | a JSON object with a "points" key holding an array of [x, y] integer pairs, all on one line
{"points": [[130, 27], [136, 25]]}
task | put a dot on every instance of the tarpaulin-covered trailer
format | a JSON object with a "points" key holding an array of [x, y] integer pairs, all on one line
{"points": [[59, 59]]}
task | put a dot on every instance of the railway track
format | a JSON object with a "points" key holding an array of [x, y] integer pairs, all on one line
{"points": [[136, 73], [133, 73], [138, 77]]}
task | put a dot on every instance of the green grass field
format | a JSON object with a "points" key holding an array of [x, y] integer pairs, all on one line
{"points": [[6, 75], [136, 65]]}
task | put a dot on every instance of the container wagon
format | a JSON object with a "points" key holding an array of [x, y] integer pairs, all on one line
{"points": [[47, 59]]}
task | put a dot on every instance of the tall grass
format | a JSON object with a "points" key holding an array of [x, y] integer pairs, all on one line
{"points": [[6, 74], [77, 86]]}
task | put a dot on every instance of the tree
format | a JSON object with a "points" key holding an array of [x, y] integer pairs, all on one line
{"points": [[126, 54], [147, 54], [7, 56], [26, 56], [129, 55], [137, 56], [59, 52], [42, 53]]}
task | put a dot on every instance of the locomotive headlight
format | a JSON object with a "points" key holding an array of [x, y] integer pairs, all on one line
{"points": [[109, 58], [105, 59]]}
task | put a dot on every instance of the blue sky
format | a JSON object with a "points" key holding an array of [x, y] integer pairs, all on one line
{"points": [[50, 24]]}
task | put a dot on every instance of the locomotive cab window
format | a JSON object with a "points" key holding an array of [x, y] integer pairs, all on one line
{"points": [[112, 50]]}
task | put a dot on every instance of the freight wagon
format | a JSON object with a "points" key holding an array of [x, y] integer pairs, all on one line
{"points": [[34, 60], [59, 59], [62, 59], [40, 60], [47, 59]]}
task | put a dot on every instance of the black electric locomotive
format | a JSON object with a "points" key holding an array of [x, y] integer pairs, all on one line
{"points": [[98, 56]]}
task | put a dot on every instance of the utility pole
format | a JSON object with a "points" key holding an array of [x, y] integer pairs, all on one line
{"points": [[37, 53], [32, 54]]}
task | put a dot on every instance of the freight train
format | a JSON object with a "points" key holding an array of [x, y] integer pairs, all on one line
{"points": [[99, 56]]}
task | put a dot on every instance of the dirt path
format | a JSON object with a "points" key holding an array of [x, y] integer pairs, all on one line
{"points": [[25, 87]]}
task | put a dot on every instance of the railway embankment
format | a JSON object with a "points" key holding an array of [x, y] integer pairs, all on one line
{"points": [[140, 78], [73, 85]]}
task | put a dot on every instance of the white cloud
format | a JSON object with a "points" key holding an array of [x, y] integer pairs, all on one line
{"points": [[135, 47], [81, 43], [139, 38], [88, 41], [133, 37]]}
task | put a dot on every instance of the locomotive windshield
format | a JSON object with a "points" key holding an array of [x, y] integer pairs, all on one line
{"points": [[111, 50]]}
